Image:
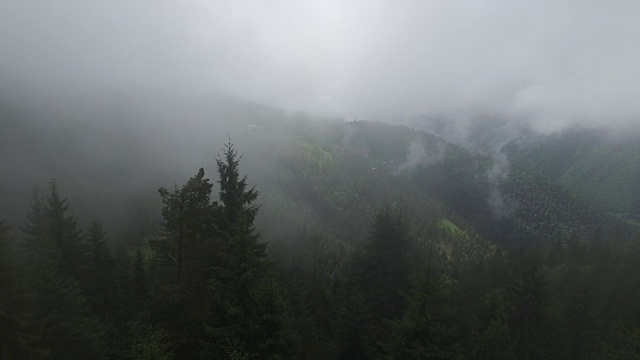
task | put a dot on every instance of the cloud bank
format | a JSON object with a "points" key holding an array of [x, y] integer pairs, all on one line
{"points": [[547, 63]]}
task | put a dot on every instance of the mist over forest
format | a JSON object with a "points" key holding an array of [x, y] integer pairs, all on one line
{"points": [[319, 180]]}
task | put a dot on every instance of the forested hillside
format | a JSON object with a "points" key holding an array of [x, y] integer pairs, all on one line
{"points": [[600, 167], [360, 240], [202, 286], [319, 180], [329, 173]]}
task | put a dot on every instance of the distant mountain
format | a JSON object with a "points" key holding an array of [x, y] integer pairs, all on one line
{"points": [[314, 174], [357, 166]]}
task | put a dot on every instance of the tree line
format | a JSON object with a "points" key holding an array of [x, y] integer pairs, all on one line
{"points": [[206, 287]]}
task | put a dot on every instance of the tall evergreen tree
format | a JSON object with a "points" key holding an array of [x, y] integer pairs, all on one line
{"points": [[237, 211], [189, 229], [383, 269], [62, 229], [529, 290], [431, 322], [139, 282], [379, 274], [35, 229], [16, 339], [185, 253], [101, 270], [67, 327], [248, 309]]}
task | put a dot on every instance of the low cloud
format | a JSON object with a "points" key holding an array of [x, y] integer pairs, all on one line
{"points": [[547, 64], [417, 154]]}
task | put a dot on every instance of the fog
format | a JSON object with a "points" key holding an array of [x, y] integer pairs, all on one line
{"points": [[549, 64], [358, 239]]}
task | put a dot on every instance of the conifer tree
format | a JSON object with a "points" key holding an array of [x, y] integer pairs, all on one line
{"points": [[379, 273], [16, 340], [431, 321], [62, 229], [384, 267], [35, 229], [237, 211], [123, 282], [101, 270], [185, 254], [248, 307], [187, 214], [67, 327], [139, 281]]}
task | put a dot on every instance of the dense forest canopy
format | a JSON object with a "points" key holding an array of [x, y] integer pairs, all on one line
{"points": [[360, 240]]}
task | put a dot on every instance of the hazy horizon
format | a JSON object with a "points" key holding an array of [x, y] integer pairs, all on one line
{"points": [[545, 64]]}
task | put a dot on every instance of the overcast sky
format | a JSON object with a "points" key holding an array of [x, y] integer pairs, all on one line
{"points": [[549, 62]]}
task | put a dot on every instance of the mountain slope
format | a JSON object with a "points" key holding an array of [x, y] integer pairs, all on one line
{"points": [[313, 174], [598, 167]]}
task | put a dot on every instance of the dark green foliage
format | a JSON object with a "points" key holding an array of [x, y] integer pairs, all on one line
{"points": [[430, 327], [237, 212], [139, 283], [372, 294], [548, 211], [17, 337], [62, 234], [184, 254], [151, 344], [599, 167], [383, 267], [67, 327], [100, 272], [187, 213], [340, 280], [316, 290], [248, 308]]}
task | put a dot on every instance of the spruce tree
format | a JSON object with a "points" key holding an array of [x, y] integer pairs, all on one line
{"points": [[101, 270], [185, 253], [16, 339], [139, 283], [379, 274], [188, 228], [237, 211], [62, 229], [384, 265], [67, 327], [35, 229], [248, 309]]}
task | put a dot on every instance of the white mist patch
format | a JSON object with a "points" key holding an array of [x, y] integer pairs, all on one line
{"points": [[348, 143], [492, 144], [418, 155], [496, 175], [486, 136]]}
